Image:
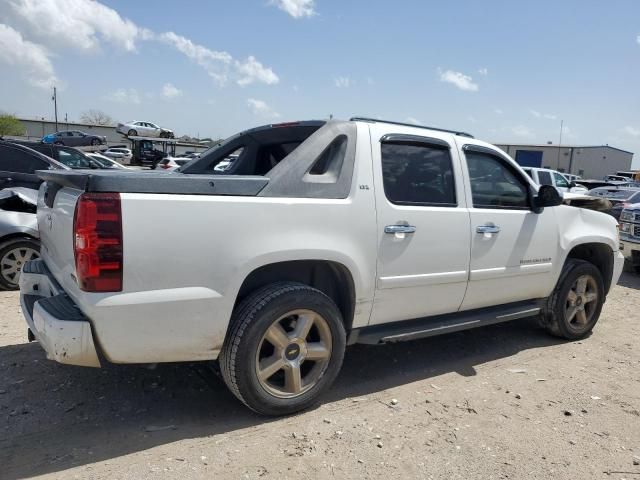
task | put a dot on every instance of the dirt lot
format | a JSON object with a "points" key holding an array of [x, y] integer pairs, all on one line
{"points": [[506, 401]]}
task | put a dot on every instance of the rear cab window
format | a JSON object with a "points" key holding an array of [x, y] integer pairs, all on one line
{"points": [[417, 171]]}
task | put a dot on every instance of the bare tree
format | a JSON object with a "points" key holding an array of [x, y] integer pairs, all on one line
{"points": [[96, 117]]}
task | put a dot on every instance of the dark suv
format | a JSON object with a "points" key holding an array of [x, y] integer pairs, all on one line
{"points": [[68, 156], [18, 165]]}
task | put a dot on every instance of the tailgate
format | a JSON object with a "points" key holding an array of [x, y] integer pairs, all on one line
{"points": [[55, 221]]}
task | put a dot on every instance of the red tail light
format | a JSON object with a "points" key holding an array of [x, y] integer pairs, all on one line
{"points": [[165, 166], [97, 229]]}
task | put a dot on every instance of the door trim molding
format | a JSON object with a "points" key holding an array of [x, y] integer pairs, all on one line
{"points": [[421, 279]]}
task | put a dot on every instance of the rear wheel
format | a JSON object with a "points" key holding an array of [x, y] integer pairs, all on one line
{"points": [[13, 255], [285, 348], [132, 133], [576, 303]]}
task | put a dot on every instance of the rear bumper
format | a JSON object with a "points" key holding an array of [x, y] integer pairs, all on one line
{"points": [[59, 326]]}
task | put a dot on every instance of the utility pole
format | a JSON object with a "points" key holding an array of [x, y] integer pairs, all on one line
{"points": [[55, 105], [560, 142]]}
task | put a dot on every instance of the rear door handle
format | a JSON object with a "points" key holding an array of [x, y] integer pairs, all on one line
{"points": [[399, 229], [487, 229]]}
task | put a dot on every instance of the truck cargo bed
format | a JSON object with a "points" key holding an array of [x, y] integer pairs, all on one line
{"points": [[155, 182]]}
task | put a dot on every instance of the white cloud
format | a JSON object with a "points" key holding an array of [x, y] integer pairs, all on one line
{"points": [[370, 81], [413, 120], [638, 39], [27, 56], [124, 95], [261, 109], [252, 70], [548, 116], [472, 119], [220, 65], [214, 63], [483, 71], [521, 131], [169, 91], [342, 82], [460, 80], [87, 24], [296, 8], [79, 24], [633, 131], [498, 111]]}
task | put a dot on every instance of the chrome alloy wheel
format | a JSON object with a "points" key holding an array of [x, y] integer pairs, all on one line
{"points": [[12, 262], [582, 301], [294, 353]]}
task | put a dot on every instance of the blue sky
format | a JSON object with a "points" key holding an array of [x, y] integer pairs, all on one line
{"points": [[505, 71]]}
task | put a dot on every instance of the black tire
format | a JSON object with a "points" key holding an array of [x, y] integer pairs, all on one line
{"points": [[9, 278], [58, 143], [95, 142], [636, 268], [247, 330], [132, 133], [560, 303]]}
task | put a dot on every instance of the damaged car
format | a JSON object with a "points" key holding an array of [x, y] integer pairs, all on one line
{"points": [[19, 239]]}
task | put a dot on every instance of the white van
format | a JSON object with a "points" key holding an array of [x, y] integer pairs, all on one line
{"points": [[546, 176]]}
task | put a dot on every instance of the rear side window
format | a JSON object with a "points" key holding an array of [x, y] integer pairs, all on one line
{"points": [[418, 174], [15, 160], [495, 183], [544, 177]]}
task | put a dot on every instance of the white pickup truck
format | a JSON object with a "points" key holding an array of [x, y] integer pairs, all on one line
{"points": [[319, 235]]}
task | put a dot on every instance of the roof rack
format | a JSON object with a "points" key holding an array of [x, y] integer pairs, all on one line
{"points": [[375, 120]]}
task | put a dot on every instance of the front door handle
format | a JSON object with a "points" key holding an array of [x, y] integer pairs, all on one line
{"points": [[487, 229], [399, 229]]}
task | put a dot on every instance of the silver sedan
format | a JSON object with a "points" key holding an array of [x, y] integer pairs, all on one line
{"points": [[18, 233]]}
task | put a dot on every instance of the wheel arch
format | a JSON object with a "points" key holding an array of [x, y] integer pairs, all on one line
{"points": [[599, 254], [17, 236], [332, 278]]}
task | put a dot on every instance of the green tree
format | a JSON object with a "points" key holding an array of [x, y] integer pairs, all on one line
{"points": [[10, 125]]}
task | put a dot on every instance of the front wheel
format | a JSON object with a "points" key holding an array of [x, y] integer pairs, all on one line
{"points": [[95, 142], [132, 133], [576, 303], [284, 349]]}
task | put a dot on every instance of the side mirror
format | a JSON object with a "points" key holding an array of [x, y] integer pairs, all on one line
{"points": [[547, 196], [572, 184]]}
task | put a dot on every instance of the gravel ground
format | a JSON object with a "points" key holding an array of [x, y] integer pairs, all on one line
{"points": [[505, 401]]}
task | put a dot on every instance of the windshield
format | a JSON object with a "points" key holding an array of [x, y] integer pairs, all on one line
{"points": [[73, 158]]}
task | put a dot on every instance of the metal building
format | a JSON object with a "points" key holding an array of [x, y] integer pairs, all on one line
{"points": [[588, 161], [36, 129]]}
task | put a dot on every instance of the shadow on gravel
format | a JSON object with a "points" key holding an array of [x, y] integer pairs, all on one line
{"points": [[57, 417], [629, 280]]}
